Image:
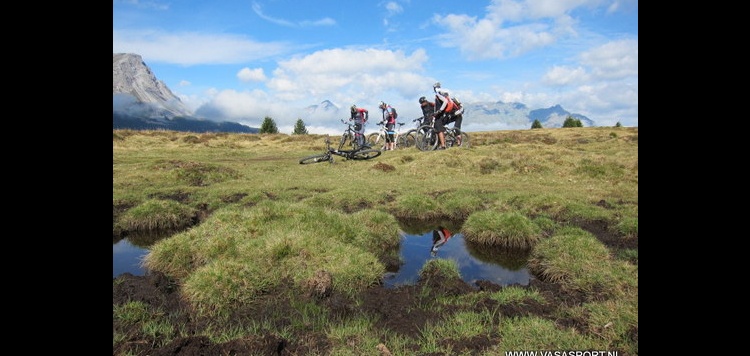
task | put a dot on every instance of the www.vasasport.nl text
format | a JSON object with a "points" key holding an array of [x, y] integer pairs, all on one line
{"points": [[561, 353]]}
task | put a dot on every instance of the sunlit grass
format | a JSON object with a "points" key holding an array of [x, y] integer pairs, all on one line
{"points": [[251, 217]]}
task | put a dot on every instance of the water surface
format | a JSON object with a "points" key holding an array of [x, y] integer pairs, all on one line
{"points": [[474, 262]]}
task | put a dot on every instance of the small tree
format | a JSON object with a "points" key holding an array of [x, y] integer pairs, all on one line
{"points": [[268, 126], [299, 128], [536, 124], [618, 124], [571, 122]]}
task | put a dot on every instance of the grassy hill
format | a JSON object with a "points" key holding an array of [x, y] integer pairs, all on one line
{"points": [[268, 254]]}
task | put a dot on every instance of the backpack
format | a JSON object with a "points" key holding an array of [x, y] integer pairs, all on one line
{"points": [[456, 103], [390, 119], [451, 107]]}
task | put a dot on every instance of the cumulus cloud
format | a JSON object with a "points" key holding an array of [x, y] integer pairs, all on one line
{"points": [[617, 59], [251, 75], [510, 28], [344, 76]]}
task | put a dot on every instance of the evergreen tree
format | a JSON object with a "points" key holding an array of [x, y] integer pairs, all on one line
{"points": [[571, 122], [268, 126], [536, 124], [299, 128], [618, 124]]}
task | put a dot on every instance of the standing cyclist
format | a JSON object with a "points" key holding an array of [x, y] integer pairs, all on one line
{"points": [[449, 111], [428, 110], [389, 118], [359, 116]]}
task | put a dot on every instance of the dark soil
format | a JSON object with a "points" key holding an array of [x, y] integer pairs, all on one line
{"points": [[399, 310]]}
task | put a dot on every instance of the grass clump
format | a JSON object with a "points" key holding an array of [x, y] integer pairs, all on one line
{"points": [[157, 215], [508, 229]]}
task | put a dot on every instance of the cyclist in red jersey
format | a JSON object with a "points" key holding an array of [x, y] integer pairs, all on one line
{"points": [[439, 238], [359, 116]]}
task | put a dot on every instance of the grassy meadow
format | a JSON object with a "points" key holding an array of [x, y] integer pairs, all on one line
{"points": [[250, 217]]}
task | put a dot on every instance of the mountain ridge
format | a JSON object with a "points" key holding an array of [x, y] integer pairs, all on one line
{"points": [[142, 101]]}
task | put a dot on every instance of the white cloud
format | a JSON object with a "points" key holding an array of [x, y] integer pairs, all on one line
{"points": [[251, 75], [560, 75], [327, 21], [617, 59], [194, 48], [510, 28], [393, 8]]}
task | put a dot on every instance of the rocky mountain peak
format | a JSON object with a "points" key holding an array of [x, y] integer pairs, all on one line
{"points": [[136, 89]]}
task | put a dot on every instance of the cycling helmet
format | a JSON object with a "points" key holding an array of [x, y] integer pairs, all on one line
{"points": [[422, 100], [354, 108], [382, 105], [436, 85]]}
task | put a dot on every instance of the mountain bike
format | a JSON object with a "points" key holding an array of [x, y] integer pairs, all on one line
{"points": [[356, 153], [411, 135], [350, 136], [377, 139], [427, 137]]}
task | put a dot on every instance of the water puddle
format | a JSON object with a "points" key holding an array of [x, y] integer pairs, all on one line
{"points": [[474, 262]]}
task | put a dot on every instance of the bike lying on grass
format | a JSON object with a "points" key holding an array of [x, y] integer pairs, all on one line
{"points": [[358, 153]]}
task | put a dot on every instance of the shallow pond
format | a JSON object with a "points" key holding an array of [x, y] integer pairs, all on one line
{"points": [[474, 262]]}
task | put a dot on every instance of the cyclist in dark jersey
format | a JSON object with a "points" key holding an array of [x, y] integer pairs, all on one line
{"points": [[428, 110]]}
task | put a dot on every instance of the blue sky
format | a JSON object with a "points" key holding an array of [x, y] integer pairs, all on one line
{"points": [[245, 60]]}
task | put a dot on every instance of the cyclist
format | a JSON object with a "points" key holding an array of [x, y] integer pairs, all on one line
{"points": [[389, 119], [439, 238], [449, 111], [359, 116], [428, 110]]}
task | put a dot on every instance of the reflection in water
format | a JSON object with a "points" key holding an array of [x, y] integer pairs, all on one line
{"points": [[127, 258], [127, 253], [475, 263], [511, 259]]}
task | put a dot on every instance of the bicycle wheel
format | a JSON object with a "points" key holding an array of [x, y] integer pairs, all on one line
{"points": [[465, 142], [373, 140], [427, 138], [409, 139], [345, 137], [325, 157], [366, 154]]}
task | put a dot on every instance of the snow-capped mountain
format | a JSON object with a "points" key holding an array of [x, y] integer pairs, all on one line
{"points": [[325, 108]]}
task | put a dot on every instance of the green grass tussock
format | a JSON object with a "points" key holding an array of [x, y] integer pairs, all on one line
{"points": [[156, 215], [508, 229], [577, 260]]}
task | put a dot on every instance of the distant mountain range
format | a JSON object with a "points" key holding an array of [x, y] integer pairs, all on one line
{"points": [[142, 102], [485, 113]]}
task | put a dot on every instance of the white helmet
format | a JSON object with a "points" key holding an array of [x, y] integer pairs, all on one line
{"points": [[436, 85]]}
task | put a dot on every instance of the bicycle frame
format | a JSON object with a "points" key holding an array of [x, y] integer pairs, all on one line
{"points": [[358, 153], [375, 139], [349, 135]]}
